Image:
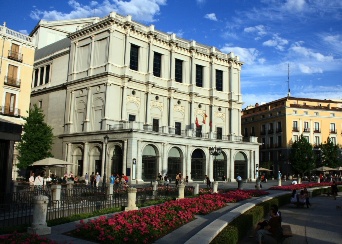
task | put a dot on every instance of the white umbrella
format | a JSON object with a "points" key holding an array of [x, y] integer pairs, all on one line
{"points": [[51, 162], [264, 169], [323, 169]]}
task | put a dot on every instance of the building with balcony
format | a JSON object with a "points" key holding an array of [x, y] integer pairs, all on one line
{"points": [[161, 100], [16, 64], [281, 122]]}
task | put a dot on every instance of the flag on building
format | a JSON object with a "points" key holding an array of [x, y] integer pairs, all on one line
{"points": [[205, 118], [196, 122]]}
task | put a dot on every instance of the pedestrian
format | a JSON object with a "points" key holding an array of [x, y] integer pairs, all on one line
{"points": [[39, 182], [92, 179], [208, 181], [334, 189], [31, 181], [86, 179], [97, 179], [177, 180], [112, 179]]}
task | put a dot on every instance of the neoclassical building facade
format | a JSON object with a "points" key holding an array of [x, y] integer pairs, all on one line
{"points": [[162, 101]]}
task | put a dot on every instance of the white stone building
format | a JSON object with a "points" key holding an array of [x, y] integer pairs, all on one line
{"points": [[161, 100]]}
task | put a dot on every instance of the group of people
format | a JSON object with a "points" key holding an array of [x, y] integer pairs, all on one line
{"points": [[94, 179], [301, 198]]}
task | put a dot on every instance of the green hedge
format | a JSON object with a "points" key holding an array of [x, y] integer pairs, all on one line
{"points": [[238, 228]]}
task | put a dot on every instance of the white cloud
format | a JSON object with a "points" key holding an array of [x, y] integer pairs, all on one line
{"points": [[247, 55], [200, 1], [276, 42], [211, 16], [308, 53], [141, 10], [259, 29], [295, 5], [179, 33], [309, 70], [24, 32]]}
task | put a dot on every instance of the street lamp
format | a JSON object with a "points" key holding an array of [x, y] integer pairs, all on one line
{"points": [[105, 162], [215, 151]]}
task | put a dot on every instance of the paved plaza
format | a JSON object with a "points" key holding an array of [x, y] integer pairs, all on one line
{"points": [[321, 223]]}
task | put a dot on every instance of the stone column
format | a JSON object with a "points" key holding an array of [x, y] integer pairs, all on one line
{"points": [[215, 187], [86, 124], [70, 186], [181, 191], [85, 159], [132, 196], [196, 189], [56, 192], [110, 189], [279, 182], [39, 225]]}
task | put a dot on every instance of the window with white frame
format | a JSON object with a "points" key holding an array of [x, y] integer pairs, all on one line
{"points": [[317, 140], [333, 140], [332, 128], [317, 127], [295, 138]]}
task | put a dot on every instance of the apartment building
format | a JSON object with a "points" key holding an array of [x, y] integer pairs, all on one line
{"points": [[279, 123], [126, 98], [16, 65]]}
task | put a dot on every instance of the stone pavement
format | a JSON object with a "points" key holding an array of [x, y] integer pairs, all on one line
{"points": [[319, 224]]}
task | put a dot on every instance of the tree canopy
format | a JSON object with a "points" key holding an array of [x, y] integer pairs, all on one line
{"points": [[330, 154], [36, 141], [302, 156]]}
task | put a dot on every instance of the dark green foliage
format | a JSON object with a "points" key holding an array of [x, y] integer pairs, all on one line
{"points": [[229, 235], [330, 154], [36, 142], [302, 156]]}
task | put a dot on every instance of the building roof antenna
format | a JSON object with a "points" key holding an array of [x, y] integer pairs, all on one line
{"points": [[288, 80]]}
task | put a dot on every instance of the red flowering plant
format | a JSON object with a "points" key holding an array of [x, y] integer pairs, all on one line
{"points": [[24, 238], [149, 224], [300, 186]]}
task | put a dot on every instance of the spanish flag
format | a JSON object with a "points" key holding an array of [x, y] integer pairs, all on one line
{"points": [[196, 122], [205, 118]]}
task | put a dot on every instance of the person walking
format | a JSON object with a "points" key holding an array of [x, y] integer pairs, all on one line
{"points": [[31, 181], [208, 181], [97, 178], [92, 179], [112, 179], [86, 179]]}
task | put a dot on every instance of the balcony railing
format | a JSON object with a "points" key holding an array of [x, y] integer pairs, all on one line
{"points": [[15, 56], [279, 130], [166, 130], [306, 129], [10, 81], [6, 110], [317, 130], [334, 131], [270, 131], [295, 129]]}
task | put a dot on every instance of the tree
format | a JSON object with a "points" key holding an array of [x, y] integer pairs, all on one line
{"points": [[330, 154], [301, 156], [36, 142]]}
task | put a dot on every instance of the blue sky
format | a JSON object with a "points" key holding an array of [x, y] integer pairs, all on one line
{"points": [[267, 35]]}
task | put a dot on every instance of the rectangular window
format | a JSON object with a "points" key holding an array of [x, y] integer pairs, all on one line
{"points": [[14, 53], [219, 133], [41, 76], [271, 141], [219, 80], [155, 125], [316, 126], [279, 141], [47, 74], [295, 126], [40, 104], [199, 75], [332, 128], [199, 131], [10, 103], [12, 74], [252, 131], [134, 57], [317, 141], [307, 138], [36, 71], [178, 128], [333, 140], [179, 70], [246, 132], [295, 138], [131, 117], [157, 64]]}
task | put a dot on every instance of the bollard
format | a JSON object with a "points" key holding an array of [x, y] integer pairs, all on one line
{"points": [[110, 189], [299, 180], [132, 196], [181, 191], [258, 183], [215, 185], [196, 189], [39, 225], [155, 189], [56, 192], [70, 186], [279, 182], [318, 180]]}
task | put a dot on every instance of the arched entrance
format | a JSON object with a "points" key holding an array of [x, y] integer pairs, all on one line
{"points": [[220, 166], [240, 165], [96, 160], [198, 165], [78, 160], [174, 162], [149, 163], [117, 164]]}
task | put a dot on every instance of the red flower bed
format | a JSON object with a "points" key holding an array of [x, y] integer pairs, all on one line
{"points": [[149, 224], [24, 238], [301, 186]]}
